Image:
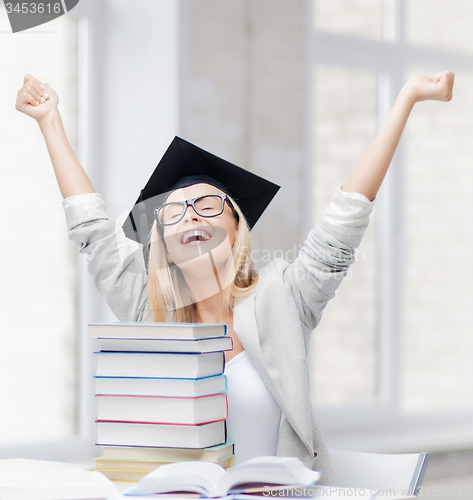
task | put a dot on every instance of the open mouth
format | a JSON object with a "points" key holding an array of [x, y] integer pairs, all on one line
{"points": [[195, 236]]}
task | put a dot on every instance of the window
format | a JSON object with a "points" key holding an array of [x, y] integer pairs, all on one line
{"points": [[38, 265], [345, 104], [363, 18], [40, 360], [393, 351], [437, 270], [86, 68]]}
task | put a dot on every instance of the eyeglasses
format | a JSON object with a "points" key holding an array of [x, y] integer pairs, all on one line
{"points": [[209, 205]]}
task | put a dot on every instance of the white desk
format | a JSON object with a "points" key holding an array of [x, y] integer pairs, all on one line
{"points": [[65, 479]]}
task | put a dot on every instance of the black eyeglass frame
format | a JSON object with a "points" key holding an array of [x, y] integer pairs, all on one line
{"points": [[191, 203]]}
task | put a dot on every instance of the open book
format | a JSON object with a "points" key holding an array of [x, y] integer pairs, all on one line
{"points": [[210, 480], [25, 479]]}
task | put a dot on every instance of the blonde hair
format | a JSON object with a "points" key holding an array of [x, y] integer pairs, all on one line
{"points": [[168, 290]]}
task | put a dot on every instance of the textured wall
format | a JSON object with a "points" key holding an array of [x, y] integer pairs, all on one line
{"points": [[242, 98]]}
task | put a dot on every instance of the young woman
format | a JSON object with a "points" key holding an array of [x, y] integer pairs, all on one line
{"points": [[270, 317]]}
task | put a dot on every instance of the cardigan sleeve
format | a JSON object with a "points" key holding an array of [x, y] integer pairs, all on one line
{"points": [[326, 255], [116, 266]]}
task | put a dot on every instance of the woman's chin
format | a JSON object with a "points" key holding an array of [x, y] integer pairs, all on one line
{"points": [[204, 265], [206, 273]]}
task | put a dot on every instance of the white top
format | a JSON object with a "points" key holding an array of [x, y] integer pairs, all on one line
{"points": [[253, 414]]}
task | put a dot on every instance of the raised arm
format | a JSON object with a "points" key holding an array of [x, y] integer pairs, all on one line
{"points": [[329, 250], [40, 102], [370, 172]]}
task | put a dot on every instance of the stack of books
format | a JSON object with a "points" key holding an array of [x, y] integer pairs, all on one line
{"points": [[161, 396]]}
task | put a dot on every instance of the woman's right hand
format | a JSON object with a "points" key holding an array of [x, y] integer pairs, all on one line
{"points": [[36, 100]]}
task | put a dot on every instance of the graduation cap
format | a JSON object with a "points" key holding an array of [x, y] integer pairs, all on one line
{"points": [[185, 164]]}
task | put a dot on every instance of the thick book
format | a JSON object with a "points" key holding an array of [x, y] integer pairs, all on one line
{"points": [[166, 345], [135, 471], [177, 387], [168, 436], [130, 476], [162, 410], [157, 330], [159, 365], [259, 474], [104, 463], [212, 454]]}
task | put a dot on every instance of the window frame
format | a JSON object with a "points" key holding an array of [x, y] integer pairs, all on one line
{"points": [[380, 425]]}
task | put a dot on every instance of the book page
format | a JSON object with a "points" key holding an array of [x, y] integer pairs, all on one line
{"points": [[268, 471], [200, 477]]}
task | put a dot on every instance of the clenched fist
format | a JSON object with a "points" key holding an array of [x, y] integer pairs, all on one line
{"points": [[36, 99], [437, 88]]}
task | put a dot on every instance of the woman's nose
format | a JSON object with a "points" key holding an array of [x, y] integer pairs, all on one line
{"points": [[191, 214]]}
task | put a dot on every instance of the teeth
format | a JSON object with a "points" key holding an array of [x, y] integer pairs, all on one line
{"points": [[195, 235]]}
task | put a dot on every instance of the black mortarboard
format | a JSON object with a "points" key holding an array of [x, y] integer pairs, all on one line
{"points": [[184, 164]]}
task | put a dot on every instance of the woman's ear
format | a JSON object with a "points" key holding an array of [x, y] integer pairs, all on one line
{"points": [[168, 257]]}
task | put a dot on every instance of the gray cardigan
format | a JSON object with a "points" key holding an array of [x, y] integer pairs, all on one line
{"points": [[274, 324]]}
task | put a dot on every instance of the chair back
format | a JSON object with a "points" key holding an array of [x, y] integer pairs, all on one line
{"points": [[391, 474]]}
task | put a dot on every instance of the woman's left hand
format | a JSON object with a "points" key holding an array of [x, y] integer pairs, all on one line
{"points": [[436, 88]]}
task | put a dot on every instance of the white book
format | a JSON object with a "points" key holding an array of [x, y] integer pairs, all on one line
{"points": [[168, 436], [209, 480], [162, 410], [165, 345], [159, 365], [178, 387], [156, 330], [25, 479]]}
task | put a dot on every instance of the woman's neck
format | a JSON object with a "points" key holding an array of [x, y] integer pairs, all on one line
{"points": [[204, 287], [210, 310], [206, 291]]}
